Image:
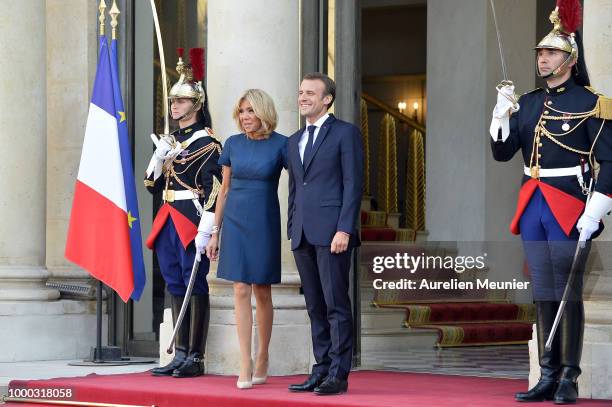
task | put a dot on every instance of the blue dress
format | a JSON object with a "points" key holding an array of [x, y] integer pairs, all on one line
{"points": [[250, 248]]}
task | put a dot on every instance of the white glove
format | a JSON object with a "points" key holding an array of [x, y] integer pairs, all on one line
{"points": [[204, 232], [174, 152], [201, 240], [506, 104], [598, 206], [162, 150], [156, 163]]}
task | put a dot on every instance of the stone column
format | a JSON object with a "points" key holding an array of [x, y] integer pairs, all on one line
{"points": [[471, 197], [245, 51], [22, 165], [71, 65], [23, 160], [597, 351], [43, 108], [463, 67]]}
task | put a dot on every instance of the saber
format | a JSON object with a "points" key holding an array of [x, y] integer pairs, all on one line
{"points": [[179, 320], [570, 280], [499, 42], [162, 62]]}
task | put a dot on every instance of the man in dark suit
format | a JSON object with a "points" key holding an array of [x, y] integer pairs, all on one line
{"points": [[325, 186]]}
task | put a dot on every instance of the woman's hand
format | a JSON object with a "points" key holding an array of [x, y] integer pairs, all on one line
{"points": [[212, 248]]}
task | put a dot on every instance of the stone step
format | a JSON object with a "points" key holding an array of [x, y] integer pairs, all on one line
{"points": [[396, 339], [382, 318]]}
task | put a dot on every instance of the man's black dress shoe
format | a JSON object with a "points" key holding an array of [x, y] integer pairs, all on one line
{"points": [[310, 384], [331, 386]]}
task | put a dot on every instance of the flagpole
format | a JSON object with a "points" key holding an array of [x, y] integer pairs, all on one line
{"points": [[97, 353], [97, 357]]}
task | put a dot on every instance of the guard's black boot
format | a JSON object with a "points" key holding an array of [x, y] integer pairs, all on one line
{"points": [[549, 360], [181, 343], [200, 316], [572, 329]]}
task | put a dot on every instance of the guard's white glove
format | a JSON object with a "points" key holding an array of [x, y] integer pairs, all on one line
{"points": [[598, 206], [506, 105], [201, 240], [204, 232], [162, 150], [174, 152]]}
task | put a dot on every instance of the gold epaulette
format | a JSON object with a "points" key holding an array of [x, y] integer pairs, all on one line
{"points": [[211, 133], [592, 90], [213, 193], [603, 108]]}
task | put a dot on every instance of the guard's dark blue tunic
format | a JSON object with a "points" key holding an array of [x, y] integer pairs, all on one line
{"points": [[175, 225]]}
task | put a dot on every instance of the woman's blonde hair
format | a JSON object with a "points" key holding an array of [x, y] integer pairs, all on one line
{"points": [[263, 106]]}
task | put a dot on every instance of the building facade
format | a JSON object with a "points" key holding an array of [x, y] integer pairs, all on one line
{"points": [[266, 44]]}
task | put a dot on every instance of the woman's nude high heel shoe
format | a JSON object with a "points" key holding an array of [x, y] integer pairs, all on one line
{"points": [[263, 379], [247, 384]]}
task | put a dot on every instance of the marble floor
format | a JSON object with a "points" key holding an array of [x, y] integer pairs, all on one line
{"points": [[485, 361]]}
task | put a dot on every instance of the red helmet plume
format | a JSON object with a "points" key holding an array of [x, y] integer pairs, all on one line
{"points": [[570, 14], [196, 56]]}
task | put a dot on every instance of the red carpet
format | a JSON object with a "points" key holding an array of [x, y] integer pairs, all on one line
{"points": [[472, 324], [366, 388]]}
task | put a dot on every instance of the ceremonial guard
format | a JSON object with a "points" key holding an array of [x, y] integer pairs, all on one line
{"points": [[184, 168], [563, 134]]}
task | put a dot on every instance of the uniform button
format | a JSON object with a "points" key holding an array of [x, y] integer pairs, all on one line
{"points": [[172, 183], [549, 102], [543, 121], [305, 183], [546, 112], [540, 145], [539, 155]]}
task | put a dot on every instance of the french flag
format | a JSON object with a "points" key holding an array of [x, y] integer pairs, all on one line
{"points": [[104, 218]]}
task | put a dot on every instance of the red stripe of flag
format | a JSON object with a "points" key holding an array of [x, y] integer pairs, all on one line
{"points": [[99, 239]]}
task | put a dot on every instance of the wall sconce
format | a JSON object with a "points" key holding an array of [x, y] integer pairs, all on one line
{"points": [[415, 106], [401, 106]]}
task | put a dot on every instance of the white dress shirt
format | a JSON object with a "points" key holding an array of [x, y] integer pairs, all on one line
{"points": [[304, 138]]}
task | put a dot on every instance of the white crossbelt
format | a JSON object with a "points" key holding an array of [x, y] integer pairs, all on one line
{"points": [[559, 172]]}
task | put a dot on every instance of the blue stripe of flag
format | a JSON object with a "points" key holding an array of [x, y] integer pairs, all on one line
{"points": [[138, 267], [102, 95]]}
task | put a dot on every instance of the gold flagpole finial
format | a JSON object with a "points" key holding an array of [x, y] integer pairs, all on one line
{"points": [[114, 13], [102, 17]]}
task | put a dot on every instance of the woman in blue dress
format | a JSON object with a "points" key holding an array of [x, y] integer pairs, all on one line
{"points": [[248, 209]]}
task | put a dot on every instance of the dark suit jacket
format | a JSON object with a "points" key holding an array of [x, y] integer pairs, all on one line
{"points": [[325, 193]]}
